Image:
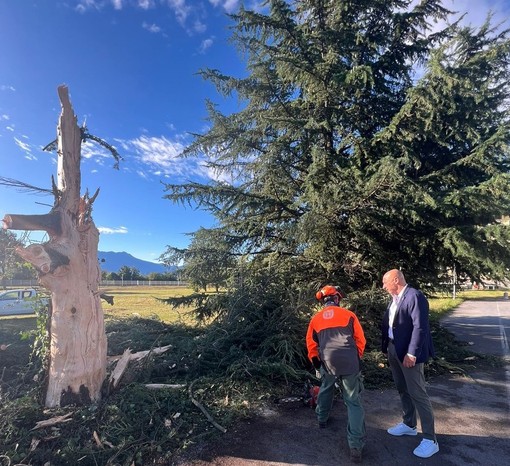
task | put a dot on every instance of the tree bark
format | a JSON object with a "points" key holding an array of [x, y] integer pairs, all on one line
{"points": [[68, 267]]}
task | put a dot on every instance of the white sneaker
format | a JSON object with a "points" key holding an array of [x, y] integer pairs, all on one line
{"points": [[402, 429], [426, 448]]}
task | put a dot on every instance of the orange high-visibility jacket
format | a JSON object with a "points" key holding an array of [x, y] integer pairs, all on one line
{"points": [[336, 337]]}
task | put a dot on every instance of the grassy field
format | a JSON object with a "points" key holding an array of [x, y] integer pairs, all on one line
{"points": [[129, 302], [144, 301], [442, 305]]}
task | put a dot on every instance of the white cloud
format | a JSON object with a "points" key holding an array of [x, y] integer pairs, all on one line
{"points": [[92, 150], [86, 5], [10, 128], [143, 174], [145, 4], [26, 148], [151, 27], [112, 231], [23, 145], [473, 13], [190, 14], [160, 156], [181, 10], [476, 12], [199, 27], [4, 87], [217, 175], [228, 5], [159, 152], [4, 117], [207, 43]]}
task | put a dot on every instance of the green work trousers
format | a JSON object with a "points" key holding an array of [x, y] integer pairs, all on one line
{"points": [[351, 387]]}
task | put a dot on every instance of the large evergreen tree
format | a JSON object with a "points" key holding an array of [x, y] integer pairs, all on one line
{"points": [[10, 263], [344, 162], [207, 261]]}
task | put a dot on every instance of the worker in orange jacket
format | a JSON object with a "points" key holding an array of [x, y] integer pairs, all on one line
{"points": [[335, 341]]}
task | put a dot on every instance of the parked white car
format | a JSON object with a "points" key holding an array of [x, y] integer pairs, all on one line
{"points": [[22, 301]]}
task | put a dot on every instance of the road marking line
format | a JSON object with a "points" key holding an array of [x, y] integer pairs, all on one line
{"points": [[504, 340], [502, 332], [506, 352]]}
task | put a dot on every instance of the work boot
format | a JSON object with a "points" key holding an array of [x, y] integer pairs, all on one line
{"points": [[356, 455]]}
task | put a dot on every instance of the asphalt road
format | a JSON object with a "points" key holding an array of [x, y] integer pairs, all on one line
{"points": [[484, 323], [472, 415]]}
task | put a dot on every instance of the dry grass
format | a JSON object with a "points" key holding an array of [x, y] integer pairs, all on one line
{"points": [[144, 301]]}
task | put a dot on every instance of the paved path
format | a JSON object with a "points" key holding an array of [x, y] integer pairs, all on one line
{"points": [[485, 323], [472, 416]]}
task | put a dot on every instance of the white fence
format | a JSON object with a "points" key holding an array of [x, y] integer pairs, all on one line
{"points": [[33, 283], [142, 283]]}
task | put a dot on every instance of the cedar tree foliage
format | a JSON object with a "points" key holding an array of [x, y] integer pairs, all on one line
{"points": [[367, 138], [9, 261], [207, 260]]}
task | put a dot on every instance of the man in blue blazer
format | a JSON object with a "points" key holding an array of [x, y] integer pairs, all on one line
{"points": [[407, 341]]}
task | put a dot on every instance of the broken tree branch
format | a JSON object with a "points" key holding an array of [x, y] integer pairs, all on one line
{"points": [[126, 357], [158, 386], [52, 421], [199, 406], [50, 222]]}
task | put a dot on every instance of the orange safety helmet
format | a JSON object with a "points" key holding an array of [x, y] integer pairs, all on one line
{"points": [[329, 290]]}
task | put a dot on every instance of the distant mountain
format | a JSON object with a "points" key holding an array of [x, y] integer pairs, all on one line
{"points": [[113, 261]]}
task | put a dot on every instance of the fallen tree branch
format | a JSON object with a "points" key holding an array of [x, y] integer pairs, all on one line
{"points": [[126, 357], [141, 354], [107, 298], [449, 367], [207, 415], [120, 368], [52, 421], [98, 440], [157, 386]]}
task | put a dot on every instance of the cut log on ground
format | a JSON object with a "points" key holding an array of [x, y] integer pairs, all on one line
{"points": [[126, 357]]}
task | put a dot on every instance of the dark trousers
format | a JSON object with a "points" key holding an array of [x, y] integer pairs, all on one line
{"points": [[351, 387], [410, 383]]}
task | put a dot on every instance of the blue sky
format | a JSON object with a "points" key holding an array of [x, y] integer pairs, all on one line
{"points": [[131, 68]]}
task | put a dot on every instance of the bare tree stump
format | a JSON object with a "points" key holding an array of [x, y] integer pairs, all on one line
{"points": [[68, 267]]}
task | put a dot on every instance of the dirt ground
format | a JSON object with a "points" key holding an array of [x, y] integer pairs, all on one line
{"points": [[472, 426], [472, 416]]}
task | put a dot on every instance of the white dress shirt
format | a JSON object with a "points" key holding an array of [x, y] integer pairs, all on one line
{"points": [[393, 311]]}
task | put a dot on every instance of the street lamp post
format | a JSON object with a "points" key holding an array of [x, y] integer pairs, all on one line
{"points": [[454, 282]]}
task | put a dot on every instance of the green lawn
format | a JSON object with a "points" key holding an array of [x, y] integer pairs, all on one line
{"points": [[440, 306], [134, 301], [144, 301]]}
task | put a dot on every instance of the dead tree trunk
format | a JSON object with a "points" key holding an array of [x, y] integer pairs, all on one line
{"points": [[68, 267]]}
